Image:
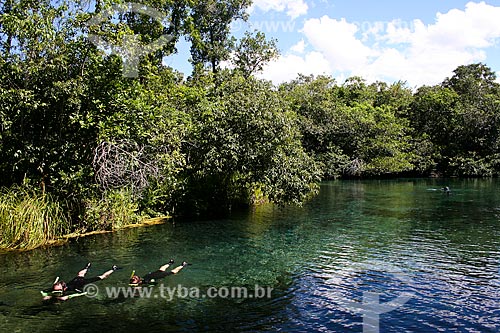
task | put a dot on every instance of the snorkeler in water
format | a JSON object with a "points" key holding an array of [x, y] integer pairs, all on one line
{"points": [[63, 291], [150, 278]]}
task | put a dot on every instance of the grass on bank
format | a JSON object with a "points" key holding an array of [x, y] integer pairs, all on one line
{"points": [[29, 219]]}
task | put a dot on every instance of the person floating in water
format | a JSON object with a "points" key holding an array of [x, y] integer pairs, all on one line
{"points": [[446, 190], [150, 278], [63, 291]]}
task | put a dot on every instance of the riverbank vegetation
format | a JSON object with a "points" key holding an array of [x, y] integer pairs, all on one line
{"points": [[84, 147]]}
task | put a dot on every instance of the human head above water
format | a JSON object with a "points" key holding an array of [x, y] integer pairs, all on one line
{"points": [[59, 286], [135, 279]]}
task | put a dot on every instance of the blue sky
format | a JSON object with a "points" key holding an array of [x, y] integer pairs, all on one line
{"points": [[420, 42]]}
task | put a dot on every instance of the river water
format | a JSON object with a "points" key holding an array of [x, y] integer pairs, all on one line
{"points": [[388, 256]]}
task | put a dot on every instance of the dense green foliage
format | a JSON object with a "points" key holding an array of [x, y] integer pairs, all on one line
{"points": [[246, 139], [355, 129], [348, 129], [109, 149]]}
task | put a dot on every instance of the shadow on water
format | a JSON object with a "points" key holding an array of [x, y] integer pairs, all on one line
{"points": [[448, 246]]}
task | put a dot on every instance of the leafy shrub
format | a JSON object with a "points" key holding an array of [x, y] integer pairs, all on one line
{"points": [[115, 209], [470, 166]]}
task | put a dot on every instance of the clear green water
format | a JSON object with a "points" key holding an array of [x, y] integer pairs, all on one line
{"points": [[447, 246]]}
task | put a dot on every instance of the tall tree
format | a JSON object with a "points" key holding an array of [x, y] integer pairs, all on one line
{"points": [[209, 30], [253, 51], [479, 102], [150, 28], [473, 82]]}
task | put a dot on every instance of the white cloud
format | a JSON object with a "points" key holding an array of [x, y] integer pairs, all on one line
{"points": [[293, 8], [477, 26], [287, 67], [337, 40], [299, 47], [399, 31], [413, 51], [427, 54]]}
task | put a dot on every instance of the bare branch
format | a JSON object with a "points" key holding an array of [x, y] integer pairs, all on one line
{"points": [[126, 164]]}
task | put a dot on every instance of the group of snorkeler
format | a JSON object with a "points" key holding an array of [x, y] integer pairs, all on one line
{"points": [[63, 291]]}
